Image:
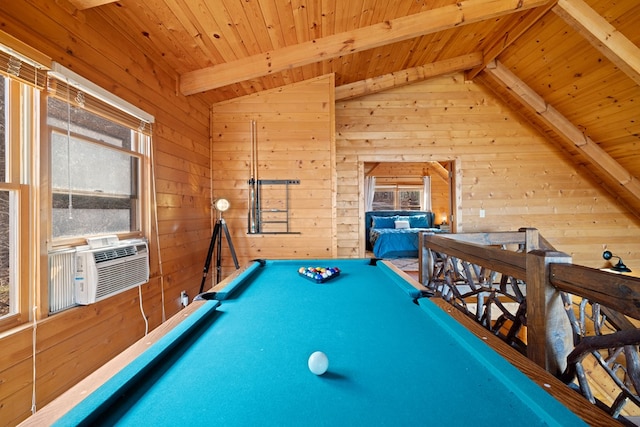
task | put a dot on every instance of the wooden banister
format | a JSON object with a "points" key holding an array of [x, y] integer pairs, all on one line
{"points": [[616, 291], [476, 273]]}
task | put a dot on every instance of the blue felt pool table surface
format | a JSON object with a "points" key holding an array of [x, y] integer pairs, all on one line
{"points": [[394, 359]]}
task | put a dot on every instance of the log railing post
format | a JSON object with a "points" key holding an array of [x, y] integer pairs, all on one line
{"points": [[531, 239], [425, 262], [549, 334]]}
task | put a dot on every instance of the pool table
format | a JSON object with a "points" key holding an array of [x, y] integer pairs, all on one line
{"points": [[238, 356]]}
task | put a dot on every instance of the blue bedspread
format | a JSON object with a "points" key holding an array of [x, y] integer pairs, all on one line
{"points": [[396, 243]]}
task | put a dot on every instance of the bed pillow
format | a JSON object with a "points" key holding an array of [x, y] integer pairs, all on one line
{"points": [[401, 223], [418, 221], [384, 221]]}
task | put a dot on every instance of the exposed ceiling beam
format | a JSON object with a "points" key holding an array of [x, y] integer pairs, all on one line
{"points": [[592, 151], [440, 170], [602, 35], [408, 76], [88, 4], [396, 30], [503, 41]]}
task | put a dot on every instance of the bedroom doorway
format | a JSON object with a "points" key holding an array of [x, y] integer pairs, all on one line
{"points": [[399, 186], [397, 183]]}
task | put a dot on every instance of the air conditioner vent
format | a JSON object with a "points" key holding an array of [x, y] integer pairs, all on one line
{"points": [[121, 276], [114, 253], [103, 272]]}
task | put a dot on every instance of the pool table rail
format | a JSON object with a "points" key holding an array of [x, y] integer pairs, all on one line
{"points": [[59, 407]]}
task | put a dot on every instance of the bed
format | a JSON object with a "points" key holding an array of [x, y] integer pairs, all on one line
{"points": [[394, 234]]}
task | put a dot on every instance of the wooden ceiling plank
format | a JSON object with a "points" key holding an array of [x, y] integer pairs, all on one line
{"points": [[88, 4], [301, 20], [392, 57], [602, 35], [435, 46], [328, 13], [220, 28], [269, 13], [505, 40], [381, 11], [407, 27], [596, 155], [193, 40], [139, 22], [286, 21], [405, 77], [251, 30], [366, 13]]}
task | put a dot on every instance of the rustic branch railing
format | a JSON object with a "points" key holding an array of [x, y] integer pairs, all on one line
{"points": [[557, 313]]}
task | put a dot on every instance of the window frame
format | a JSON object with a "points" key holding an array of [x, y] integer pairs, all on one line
{"points": [[139, 148], [21, 134], [396, 189], [65, 85]]}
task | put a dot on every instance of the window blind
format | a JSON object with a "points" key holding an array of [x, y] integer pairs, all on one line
{"points": [[21, 68], [68, 86], [65, 92]]}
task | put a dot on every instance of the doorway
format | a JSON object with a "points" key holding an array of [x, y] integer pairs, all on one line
{"points": [[397, 178]]}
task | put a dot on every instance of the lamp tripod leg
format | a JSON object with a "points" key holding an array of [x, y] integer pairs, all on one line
{"points": [[231, 248], [207, 263]]}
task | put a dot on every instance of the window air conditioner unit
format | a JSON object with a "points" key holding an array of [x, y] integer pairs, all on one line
{"points": [[108, 270]]}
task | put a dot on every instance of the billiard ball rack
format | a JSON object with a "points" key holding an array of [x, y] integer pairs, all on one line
{"points": [[319, 274]]}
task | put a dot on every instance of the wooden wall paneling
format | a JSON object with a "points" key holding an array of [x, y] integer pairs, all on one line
{"points": [[16, 373], [182, 177], [294, 139], [507, 168]]}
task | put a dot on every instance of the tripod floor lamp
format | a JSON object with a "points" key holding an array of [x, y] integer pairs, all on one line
{"points": [[221, 205]]}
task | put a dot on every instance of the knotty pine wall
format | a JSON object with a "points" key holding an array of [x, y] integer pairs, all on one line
{"points": [[70, 345], [505, 168], [295, 141]]}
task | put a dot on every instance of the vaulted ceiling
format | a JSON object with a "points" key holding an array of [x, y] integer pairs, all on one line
{"points": [[570, 67]]}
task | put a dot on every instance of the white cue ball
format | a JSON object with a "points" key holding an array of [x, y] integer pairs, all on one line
{"points": [[318, 363]]}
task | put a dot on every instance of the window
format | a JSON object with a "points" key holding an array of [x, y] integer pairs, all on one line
{"points": [[95, 168], [97, 162], [398, 197], [20, 84], [98, 168], [92, 156]]}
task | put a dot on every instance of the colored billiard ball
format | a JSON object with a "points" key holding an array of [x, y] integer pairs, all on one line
{"points": [[318, 363]]}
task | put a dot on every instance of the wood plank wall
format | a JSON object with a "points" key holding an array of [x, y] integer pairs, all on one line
{"points": [[508, 169], [295, 140], [72, 344]]}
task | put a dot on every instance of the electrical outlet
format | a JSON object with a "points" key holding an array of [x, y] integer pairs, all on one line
{"points": [[184, 298], [481, 213]]}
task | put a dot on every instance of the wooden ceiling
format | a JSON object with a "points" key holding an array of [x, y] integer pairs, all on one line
{"points": [[571, 67]]}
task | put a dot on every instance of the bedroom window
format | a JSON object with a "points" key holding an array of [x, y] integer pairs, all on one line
{"points": [[398, 197]]}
